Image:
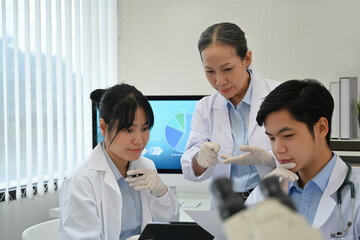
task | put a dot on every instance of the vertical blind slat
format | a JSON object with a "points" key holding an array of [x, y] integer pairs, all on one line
{"points": [[69, 87], [87, 77], [103, 43], [5, 102], [59, 93], [113, 42], [95, 44], [39, 103], [29, 188], [17, 102], [79, 109], [49, 100]]}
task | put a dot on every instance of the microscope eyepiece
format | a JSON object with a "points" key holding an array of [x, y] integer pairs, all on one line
{"points": [[229, 202], [270, 187]]}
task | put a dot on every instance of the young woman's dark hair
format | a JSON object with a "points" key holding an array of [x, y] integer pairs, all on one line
{"points": [[224, 33], [307, 101], [118, 104]]}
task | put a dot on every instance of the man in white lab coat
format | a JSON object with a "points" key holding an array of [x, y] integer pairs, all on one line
{"points": [[297, 118]]}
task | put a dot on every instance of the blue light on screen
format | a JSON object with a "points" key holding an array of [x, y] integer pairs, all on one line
{"points": [[170, 133]]}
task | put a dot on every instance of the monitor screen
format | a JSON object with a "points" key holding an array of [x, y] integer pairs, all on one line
{"points": [[170, 133]]}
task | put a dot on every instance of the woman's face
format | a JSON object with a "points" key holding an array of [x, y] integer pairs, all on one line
{"points": [[129, 143], [226, 72]]}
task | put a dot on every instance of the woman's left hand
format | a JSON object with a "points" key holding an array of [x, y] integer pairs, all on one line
{"points": [[149, 180]]}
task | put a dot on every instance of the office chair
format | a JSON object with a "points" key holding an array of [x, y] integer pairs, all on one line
{"points": [[43, 231]]}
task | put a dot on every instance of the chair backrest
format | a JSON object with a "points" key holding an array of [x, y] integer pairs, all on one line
{"points": [[41, 231]]}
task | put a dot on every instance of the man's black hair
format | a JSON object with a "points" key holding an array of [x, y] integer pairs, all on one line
{"points": [[306, 100]]}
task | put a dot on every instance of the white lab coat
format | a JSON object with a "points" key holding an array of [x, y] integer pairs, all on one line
{"points": [[211, 123], [91, 202], [327, 215]]}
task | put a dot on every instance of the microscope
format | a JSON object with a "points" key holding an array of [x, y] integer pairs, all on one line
{"points": [[274, 218]]}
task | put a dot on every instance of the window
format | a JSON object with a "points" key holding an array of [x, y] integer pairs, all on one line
{"points": [[49, 55]]}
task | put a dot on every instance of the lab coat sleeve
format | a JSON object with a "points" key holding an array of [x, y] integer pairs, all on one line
{"points": [[78, 215], [200, 133], [164, 208]]}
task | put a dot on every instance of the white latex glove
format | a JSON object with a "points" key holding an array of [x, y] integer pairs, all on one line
{"points": [[208, 154], [150, 180], [254, 156], [283, 171], [284, 175]]}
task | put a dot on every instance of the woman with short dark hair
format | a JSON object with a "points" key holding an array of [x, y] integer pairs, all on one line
{"points": [[116, 191]]}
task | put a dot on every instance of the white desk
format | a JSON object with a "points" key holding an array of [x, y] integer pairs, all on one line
{"points": [[183, 194], [193, 194]]}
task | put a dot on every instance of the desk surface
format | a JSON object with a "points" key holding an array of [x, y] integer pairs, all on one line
{"points": [[202, 196], [183, 194]]}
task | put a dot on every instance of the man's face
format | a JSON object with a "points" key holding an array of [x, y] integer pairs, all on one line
{"points": [[291, 140]]}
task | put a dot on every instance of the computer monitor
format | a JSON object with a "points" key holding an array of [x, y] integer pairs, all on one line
{"points": [[170, 133]]}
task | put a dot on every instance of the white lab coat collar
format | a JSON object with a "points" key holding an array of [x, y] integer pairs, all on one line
{"points": [[98, 162], [219, 112], [328, 200], [259, 92]]}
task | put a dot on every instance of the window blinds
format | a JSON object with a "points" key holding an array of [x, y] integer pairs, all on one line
{"points": [[54, 53]]}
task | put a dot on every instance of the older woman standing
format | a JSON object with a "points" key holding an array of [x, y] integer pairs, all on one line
{"points": [[226, 120]]}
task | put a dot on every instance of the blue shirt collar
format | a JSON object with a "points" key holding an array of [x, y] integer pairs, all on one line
{"points": [[112, 165], [322, 178]]}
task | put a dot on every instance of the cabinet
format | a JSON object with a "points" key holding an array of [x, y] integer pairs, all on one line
{"points": [[348, 150]]}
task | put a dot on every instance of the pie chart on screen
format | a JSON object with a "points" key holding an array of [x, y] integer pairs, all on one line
{"points": [[177, 131]]}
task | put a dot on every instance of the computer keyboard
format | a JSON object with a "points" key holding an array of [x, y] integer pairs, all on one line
{"points": [[189, 203]]}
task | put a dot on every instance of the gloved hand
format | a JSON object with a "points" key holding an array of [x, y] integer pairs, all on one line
{"points": [[254, 156], [283, 171], [150, 180], [208, 154]]}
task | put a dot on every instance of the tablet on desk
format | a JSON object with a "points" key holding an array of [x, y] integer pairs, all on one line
{"points": [[174, 231]]}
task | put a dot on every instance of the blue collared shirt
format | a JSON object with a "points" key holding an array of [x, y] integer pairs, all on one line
{"points": [[307, 200], [244, 177], [131, 213]]}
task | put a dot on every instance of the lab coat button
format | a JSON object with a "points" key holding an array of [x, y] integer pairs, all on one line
{"points": [[228, 151]]}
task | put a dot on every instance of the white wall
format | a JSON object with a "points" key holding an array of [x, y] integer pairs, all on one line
{"points": [[289, 39], [16, 216]]}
